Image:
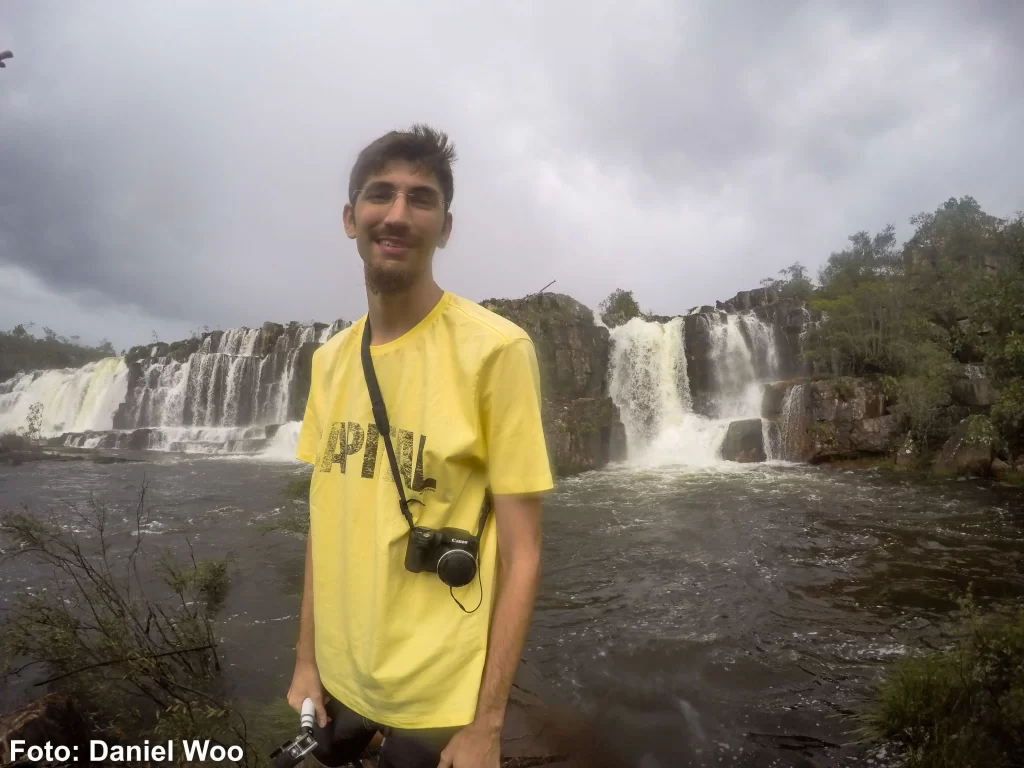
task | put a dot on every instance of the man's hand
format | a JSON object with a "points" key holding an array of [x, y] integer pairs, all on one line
{"points": [[306, 685], [475, 746]]}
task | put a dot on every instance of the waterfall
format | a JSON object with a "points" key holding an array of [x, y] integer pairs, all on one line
{"points": [[744, 355], [790, 425], [648, 378], [73, 399], [224, 393], [764, 346], [650, 383]]}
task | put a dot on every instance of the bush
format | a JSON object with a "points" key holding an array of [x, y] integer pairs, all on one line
{"points": [[962, 707], [619, 308], [138, 660]]}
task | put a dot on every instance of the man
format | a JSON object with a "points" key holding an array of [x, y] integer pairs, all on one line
{"points": [[381, 647]]}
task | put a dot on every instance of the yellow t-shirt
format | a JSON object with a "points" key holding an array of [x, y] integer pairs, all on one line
{"points": [[462, 393]]}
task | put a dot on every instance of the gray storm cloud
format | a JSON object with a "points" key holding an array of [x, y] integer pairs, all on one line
{"points": [[165, 166]]}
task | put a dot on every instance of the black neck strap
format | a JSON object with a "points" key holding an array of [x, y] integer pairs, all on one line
{"points": [[380, 416]]}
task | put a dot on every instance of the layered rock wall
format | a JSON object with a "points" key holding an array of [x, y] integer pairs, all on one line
{"points": [[581, 422]]}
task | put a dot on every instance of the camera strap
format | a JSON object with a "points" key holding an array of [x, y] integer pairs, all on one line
{"points": [[380, 416]]}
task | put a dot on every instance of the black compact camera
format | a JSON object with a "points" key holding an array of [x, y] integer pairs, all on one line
{"points": [[449, 552]]}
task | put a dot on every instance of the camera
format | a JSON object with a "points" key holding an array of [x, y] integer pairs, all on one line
{"points": [[448, 552], [293, 752]]}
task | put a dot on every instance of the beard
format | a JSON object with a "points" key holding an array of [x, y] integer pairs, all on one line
{"points": [[391, 278]]}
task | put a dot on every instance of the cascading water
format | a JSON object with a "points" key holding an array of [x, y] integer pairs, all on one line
{"points": [[73, 399], [783, 436], [764, 346], [649, 383], [220, 398]]}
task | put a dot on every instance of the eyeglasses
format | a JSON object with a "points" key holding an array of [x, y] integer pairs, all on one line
{"points": [[421, 198]]}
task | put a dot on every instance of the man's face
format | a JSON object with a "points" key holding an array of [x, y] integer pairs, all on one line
{"points": [[396, 234]]}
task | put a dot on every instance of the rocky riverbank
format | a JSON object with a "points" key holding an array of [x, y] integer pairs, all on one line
{"points": [[846, 419]]}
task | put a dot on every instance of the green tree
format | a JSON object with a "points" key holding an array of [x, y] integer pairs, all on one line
{"points": [[796, 284], [619, 308], [867, 259], [994, 324]]}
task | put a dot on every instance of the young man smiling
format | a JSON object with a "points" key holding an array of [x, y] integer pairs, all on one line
{"points": [[384, 646]]}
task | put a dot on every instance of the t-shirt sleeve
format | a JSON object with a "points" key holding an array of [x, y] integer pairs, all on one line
{"points": [[309, 432], [517, 454]]}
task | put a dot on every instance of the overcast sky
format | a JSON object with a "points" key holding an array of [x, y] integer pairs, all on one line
{"points": [[165, 166]]}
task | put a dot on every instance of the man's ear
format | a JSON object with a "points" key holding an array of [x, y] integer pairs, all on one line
{"points": [[446, 231], [349, 217]]}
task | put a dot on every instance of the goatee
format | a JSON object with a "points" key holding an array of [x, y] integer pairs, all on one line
{"points": [[388, 280]]}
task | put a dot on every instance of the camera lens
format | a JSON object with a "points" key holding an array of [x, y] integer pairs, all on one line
{"points": [[456, 568]]}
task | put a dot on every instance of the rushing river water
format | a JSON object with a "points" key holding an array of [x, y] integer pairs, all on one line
{"points": [[753, 608]]}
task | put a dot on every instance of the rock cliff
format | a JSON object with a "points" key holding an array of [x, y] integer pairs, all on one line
{"points": [[581, 422], [846, 418]]}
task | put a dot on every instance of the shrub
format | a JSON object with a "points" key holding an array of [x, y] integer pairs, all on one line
{"points": [[138, 660], [960, 707]]}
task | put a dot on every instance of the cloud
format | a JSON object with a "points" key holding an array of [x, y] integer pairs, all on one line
{"points": [[185, 163]]}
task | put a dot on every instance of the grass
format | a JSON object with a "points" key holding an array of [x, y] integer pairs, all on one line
{"points": [[962, 707]]}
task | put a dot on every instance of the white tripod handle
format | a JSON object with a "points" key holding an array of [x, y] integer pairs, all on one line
{"points": [[308, 714]]}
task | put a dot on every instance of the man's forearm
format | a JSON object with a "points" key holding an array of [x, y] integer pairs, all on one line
{"points": [[305, 649], [517, 590]]}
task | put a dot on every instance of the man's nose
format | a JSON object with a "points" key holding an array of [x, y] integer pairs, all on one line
{"points": [[399, 211]]}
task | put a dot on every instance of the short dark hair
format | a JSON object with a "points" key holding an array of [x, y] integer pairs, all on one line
{"points": [[421, 145]]}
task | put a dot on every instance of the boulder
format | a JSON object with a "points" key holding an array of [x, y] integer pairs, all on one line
{"points": [[52, 718], [1000, 469], [874, 435], [974, 389], [744, 442], [970, 450]]}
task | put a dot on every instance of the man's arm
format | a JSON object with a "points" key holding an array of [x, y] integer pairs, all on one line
{"points": [[305, 649], [306, 678], [518, 522]]}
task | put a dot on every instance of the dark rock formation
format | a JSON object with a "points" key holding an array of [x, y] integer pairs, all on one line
{"points": [[743, 442], [700, 363], [833, 419], [788, 317], [581, 422], [583, 434]]}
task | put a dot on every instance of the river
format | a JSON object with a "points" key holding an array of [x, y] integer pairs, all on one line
{"points": [[749, 606]]}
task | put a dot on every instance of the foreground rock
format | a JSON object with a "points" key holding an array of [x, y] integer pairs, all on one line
{"points": [[744, 442], [582, 424]]}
